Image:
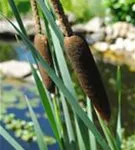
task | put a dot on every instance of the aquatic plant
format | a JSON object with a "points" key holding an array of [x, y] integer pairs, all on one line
{"points": [[13, 96], [23, 129], [69, 133]]}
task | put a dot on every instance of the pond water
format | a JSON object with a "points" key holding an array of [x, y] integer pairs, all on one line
{"points": [[13, 103], [108, 72]]}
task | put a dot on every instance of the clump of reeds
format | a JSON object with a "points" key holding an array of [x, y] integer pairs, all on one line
{"points": [[80, 132]]}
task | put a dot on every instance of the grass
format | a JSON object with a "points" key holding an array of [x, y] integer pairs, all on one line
{"points": [[68, 133]]}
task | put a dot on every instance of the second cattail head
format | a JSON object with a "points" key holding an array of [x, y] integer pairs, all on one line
{"points": [[41, 44]]}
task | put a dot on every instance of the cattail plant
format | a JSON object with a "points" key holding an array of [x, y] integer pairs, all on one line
{"points": [[84, 64], [69, 133], [41, 44]]}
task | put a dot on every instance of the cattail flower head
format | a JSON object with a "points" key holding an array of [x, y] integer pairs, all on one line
{"points": [[88, 75], [41, 44]]}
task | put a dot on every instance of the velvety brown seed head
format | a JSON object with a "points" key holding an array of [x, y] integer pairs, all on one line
{"points": [[41, 44], [88, 75]]}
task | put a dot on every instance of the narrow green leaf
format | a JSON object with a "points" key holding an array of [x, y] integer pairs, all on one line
{"points": [[57, 116], [67, 119], [93, 145], [10, 139], [81, 143], [119, 128], [110, 138], [40, 137], [17, 15], [47, 106]]}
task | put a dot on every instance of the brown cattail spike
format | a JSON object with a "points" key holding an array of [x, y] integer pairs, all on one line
{"points": [[88, 75], [36, 16], [61, 17], [41, 45]]}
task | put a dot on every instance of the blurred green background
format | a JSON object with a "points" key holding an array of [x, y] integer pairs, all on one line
{"points": [[118, 10]]}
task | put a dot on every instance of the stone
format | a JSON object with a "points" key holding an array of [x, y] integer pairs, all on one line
{"points": [[78, 28], [123, 33], [131, 35], [101, 46], [119, 43], [116, 49], [116, 29], [124, 29], [108, 30], [120, 29], [108, 33], [6, 27], [71, 17], [133, 57], [132, 28], [15, 69], [95, 37], [113, 47], [129, 45], [94, 25], [115, 34]]}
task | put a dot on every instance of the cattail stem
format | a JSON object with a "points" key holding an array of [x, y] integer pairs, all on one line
{"points": [[36, 16], [65, 25]]}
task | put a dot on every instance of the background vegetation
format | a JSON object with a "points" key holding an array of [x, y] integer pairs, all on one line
{"points": [[118, 10], [121, 10]]}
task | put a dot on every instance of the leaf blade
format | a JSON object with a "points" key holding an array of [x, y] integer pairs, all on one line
{"points": [[41, 143], [10, 139]]}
